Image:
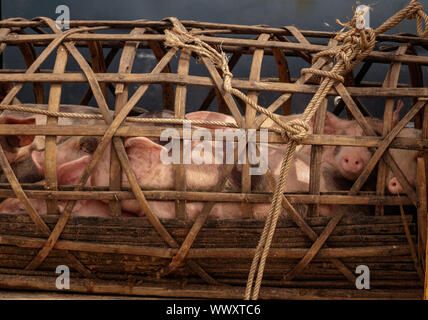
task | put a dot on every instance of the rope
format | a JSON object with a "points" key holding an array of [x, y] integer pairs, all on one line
{"points": [[22, 108], [356, 46]]}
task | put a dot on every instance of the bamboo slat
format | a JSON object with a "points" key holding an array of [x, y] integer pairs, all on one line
{"points": [[132, 131], [391, 80], [296, 87], [216, 292], [250, 116], [200, 253], [316, 158], [121, 92], [50, 142], [29, 55], [421, 190], [240, 29], [179, 112]]}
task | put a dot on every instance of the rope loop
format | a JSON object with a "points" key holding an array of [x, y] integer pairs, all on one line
{"points": [[323, 73], [295, 130], [417, 13]]}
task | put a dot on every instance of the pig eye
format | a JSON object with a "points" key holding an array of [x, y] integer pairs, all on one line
{"points": [[88, 144], [10, 142]]}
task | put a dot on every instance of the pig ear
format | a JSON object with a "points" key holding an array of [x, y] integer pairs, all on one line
{"points": [[69, 173], [332, 123], [39, 160], [144, 150], [396, 115], [19, 141], [210, 116]]}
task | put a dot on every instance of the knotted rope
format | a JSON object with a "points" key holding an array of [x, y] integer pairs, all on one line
{"points": [[356, 45]]}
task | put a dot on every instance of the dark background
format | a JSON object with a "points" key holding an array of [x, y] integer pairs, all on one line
{"points": [[304, 14]]}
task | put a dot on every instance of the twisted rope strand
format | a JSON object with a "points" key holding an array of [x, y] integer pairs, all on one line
{"points": [[22, 108]]}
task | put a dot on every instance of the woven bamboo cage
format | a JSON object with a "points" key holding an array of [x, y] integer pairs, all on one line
{"points": [[310, 258]]}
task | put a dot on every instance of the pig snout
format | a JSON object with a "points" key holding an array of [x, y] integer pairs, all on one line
{"points": [[352, 164], [350, 161], [394, 186]]}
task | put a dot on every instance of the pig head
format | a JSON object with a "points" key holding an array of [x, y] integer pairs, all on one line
{"points": [[406, 161], [66, 176], [32, 167], [18, 147], [152, 173]]}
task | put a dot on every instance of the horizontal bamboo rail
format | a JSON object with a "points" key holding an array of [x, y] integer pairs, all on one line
{"points": [[211, 292], [207, 82], [215, 224], [215, 27], [262, 79], [238, 253], [311, 48], [135, 131], [210, 196]]}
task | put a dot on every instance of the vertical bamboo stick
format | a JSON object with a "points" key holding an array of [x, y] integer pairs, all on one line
{"points": [[180, 110], [50, 141], [425, 136], [316, 158], [3, 33], [416, 81], [125, 66], [422, 175], [108, 60], [167, 88], [282, 65], [426, 274], [98, 63], [250, 116], [284, 76], [391, 81], [222, 108], [29, 55], [421, 190]]}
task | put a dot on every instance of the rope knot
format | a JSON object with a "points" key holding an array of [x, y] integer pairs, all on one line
{"points": [[416, 8], [419, 15], [295, 130], [323, 73]]}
